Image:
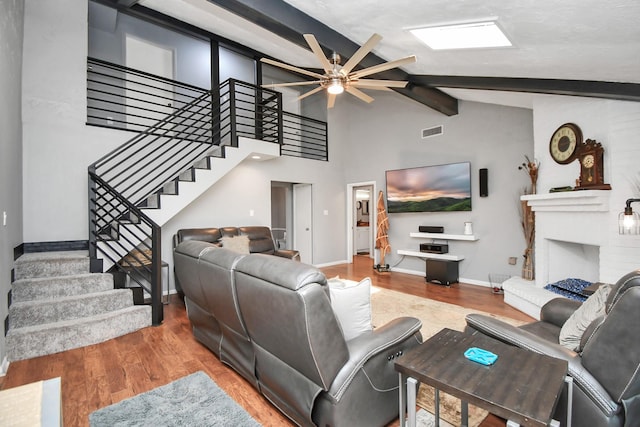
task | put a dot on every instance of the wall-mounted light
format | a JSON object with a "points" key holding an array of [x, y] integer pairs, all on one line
{"points": [[628, 220]]}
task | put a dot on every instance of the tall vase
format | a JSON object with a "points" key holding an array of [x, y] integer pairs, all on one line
{"points": [[527, 266]]}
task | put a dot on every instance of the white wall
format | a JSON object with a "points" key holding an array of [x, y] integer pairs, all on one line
{"points": [[616, 125], [386, 134], [58, 146], [11, 26]]}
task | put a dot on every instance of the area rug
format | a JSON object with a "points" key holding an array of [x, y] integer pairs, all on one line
{"points": [[387, 305], [194, 400]]}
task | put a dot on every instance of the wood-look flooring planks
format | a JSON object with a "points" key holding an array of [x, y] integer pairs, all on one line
{"points": [[99, 375]]}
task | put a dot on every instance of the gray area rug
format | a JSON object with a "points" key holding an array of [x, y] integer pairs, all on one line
{"points": [[194, 400]]}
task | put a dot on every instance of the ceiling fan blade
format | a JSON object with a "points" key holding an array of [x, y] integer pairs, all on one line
{"points": [[377, 83], [382, 67], [359, 94], [317, 50], [276, 85], [311, 92], [292, 68], [331, 100], [360, 53]]}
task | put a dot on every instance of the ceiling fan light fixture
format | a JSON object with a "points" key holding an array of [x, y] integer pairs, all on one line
{"points": [[470, 35], [335, 87]]}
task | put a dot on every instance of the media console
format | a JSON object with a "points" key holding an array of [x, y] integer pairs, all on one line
{"points": [[440, 268]]}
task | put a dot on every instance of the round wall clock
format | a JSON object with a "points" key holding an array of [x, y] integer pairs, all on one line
{"points": [[564, 143]]}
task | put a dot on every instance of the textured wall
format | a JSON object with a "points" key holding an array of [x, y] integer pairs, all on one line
{"points": [[11, 24]]}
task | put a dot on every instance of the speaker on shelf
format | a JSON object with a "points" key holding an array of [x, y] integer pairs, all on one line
{"points": [[430, 229], [484, 182]]}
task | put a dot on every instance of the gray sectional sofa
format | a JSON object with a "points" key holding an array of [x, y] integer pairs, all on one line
{"points": [[271, 319]]}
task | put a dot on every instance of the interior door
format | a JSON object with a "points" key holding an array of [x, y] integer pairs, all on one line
{"points": [[302, 222]]}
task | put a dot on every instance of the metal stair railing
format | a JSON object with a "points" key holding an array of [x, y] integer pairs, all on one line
{"points": [[134, 175]]}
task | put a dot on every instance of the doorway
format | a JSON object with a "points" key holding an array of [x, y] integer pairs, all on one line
{"points": [[361, 218], [291, 218]]}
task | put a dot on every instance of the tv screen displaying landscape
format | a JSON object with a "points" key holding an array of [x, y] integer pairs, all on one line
{"points": [[439, 188]]}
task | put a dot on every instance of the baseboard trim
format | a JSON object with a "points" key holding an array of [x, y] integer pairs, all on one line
{"points": [[461, 279], [329, 264], [67, 245], [18, 251]]}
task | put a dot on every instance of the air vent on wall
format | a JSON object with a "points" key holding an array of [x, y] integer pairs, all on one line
{"points": [[434, 131]]}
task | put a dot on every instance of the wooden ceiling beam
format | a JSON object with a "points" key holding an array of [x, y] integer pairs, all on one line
{"points": [[587, 88]]}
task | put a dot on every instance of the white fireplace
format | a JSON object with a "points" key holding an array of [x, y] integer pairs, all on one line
{"points": [[571, 233]]}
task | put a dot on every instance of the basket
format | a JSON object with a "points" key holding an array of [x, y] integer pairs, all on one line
{"points": [[496, 281]]}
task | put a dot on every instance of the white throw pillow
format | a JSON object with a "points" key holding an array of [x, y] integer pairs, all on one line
{"points": [[591, 309], [238, 244], [351, 303]]}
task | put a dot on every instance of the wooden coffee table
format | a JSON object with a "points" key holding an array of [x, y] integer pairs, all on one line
{"points": [[521, 386]]}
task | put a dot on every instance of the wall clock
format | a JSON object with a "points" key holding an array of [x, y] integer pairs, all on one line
{"points": [[564, 143], [591, 157]]}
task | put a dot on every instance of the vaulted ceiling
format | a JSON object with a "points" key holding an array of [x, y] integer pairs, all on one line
{"points": [[575, 47]]}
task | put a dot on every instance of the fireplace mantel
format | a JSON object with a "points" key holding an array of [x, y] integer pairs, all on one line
{"points": [[569, 201]]}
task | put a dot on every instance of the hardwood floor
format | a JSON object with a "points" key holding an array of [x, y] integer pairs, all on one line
{"points": [[106, 373]]}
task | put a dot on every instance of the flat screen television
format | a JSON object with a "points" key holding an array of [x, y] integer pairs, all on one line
{"points": [[438, 188]]}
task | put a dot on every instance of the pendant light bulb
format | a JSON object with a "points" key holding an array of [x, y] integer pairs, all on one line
{"points": [[335, 88]]}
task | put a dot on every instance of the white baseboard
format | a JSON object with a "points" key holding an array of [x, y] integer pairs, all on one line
{"points": [[4, 367], [461, 279], [332, 263]]}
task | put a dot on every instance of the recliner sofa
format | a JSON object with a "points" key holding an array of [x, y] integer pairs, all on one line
{"points": [[260, 241], [270, 319], [606, 367]]}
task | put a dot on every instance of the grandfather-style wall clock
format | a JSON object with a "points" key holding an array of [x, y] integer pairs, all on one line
{"points": [[591, 157]]}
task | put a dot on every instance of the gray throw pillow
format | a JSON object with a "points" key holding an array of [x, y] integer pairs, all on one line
{"points": [[351, 303], [591, 309], [238, 244]]}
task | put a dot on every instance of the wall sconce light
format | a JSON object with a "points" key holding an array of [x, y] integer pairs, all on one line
{"points": [[629, 221]]}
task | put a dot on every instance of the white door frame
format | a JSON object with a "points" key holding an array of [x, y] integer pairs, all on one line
{"points": [[350, 217], [303, 227]]}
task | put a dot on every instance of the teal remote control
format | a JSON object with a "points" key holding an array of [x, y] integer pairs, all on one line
{"points": [[480, 356]]}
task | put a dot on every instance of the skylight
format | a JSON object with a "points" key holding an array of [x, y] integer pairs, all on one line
{"points": [[471, 35]]}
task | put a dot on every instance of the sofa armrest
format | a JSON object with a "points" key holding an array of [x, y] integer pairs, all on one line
{"points": [[379, 346], [510, 334], [558, 310], [286, 253]]}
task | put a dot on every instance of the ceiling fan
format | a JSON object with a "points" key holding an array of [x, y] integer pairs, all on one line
{"points": [[337, 78]]}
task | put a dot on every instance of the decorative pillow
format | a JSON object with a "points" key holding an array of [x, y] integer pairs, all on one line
{"points": [[238, 244], [351, 303], [570, 288], [591, 309]]}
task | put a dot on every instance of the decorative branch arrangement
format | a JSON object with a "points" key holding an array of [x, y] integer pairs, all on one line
{"points": [[528, 219], [531, 167]]}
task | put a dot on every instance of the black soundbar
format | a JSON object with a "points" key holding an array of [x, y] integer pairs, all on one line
{"points": [[430, 229]]}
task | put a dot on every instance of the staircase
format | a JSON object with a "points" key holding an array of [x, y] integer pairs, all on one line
{"points": [[58, 305]]}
